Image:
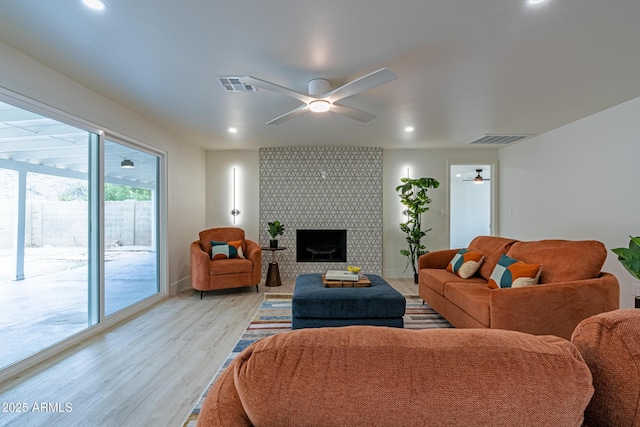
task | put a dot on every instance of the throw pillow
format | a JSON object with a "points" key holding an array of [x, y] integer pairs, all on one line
{"points": [[465, 263], [238, 245], [511, 273], [224, 250]]}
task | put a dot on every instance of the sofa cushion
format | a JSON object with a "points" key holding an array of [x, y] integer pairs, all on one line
{"points": [[562, 260], [221, 234], [465, 263], [473, 298], [223, 250], [436, 278], [363, 376], [511, 273], [609, 344], [492, 248], [230, 266]]}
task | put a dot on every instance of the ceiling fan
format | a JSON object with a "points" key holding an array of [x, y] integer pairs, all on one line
{"points": [[478, 179], [321, 98]]}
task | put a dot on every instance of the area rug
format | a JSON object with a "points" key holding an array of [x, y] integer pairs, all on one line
{"points": [[274, 315]]}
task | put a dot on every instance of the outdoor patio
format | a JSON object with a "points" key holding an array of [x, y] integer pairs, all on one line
{"points": [[51, 303]]}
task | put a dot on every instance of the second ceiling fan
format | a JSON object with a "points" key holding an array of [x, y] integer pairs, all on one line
{"points": [[478, 179], [321, 98]]}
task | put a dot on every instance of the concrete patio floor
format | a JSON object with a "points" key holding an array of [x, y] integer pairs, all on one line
{"points": [[49, 305]]}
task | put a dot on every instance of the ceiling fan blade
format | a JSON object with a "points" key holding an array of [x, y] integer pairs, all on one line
{"points": [[283, 118], [375, 79], [263, 84], [353, 113]]}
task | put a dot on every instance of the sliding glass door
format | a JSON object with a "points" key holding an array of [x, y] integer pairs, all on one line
{"points": [[130, 212], [43, 240], [79, 217]]}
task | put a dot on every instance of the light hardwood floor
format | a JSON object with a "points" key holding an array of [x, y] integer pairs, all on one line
{"points": [[148, 370]]}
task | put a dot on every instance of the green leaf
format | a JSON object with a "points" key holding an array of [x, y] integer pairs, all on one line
{"points": [[632, 266], [626, 253]]}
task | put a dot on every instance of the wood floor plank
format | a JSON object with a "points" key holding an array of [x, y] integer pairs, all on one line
{"points": [[148, 370]]}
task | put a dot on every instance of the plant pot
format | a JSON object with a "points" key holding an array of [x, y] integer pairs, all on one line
{"points": [[273, 243], [415, 278]]}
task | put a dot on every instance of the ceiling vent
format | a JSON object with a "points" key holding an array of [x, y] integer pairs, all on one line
{"points": [[498, 139], [234, 84]]}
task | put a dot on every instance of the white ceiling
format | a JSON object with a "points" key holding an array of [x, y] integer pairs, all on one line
{"points": [[465, 67]]}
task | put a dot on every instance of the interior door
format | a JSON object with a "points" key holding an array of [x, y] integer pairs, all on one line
{"points": [[470, 195]]}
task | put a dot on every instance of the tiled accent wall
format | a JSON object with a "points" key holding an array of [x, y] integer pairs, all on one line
{"points": [[323, 188]]}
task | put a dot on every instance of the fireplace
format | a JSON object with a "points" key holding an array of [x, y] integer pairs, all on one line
{"points": [[321, 245]]}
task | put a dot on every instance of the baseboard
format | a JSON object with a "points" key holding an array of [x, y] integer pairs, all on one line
{"points": [[180, 286]]}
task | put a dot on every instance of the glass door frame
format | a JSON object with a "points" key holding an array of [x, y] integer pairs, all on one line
{"points": [[97, 321]]}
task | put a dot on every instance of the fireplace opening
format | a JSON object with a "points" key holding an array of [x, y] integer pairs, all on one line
{"points": [[321, 245]]}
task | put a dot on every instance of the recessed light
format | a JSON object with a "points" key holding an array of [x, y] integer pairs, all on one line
{"points": [[233, 130], [95, 4], [409, 129], [536, 1]]}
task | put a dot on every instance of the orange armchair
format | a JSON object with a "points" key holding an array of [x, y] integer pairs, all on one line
{"points": [[208, 274]]}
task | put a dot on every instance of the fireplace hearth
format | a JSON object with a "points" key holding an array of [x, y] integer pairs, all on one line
{"points": [[321, 245]]}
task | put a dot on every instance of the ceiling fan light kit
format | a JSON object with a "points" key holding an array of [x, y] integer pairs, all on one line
{"points": [[319, 106], [478, 179], [321, 99]]}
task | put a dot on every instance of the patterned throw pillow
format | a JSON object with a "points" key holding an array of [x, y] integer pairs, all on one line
{"points": [[465, 263], [224, 250], [511, 273]]}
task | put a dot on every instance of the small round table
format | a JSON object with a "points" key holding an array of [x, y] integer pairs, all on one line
{"points": [[273, 273]]}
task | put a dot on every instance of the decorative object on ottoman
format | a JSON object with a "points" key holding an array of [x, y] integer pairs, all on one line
{"points": [[314, 305], [362, 282]]}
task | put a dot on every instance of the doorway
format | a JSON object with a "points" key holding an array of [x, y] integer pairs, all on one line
{"points": [[470, 195]]}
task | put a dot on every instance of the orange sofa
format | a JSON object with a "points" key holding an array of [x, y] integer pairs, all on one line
{"points": [[211, 274], [366, 376], [571, 286]]}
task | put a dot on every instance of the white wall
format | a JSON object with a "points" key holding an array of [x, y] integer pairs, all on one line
{"points": [[219, 189], [579, 181], [185, 162], [422, 163]]}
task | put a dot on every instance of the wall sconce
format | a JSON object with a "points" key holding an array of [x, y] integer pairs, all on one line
{"points": [[127, 164], [406, 211], [234, 212]]}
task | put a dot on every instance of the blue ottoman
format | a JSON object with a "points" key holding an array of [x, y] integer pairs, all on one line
{"points": [[315, 306]]}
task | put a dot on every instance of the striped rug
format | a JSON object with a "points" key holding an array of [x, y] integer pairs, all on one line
{"points": [[274, 315]]}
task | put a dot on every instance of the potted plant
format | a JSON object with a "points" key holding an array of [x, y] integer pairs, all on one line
{"points": [[413, 194], [630, 257], [275, 229]]}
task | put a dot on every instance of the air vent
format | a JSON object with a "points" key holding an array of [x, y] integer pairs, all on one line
{"points": [[234, 84], [498, 139]]}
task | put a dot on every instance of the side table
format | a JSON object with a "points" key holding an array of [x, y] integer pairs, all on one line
{"points": [[273, 273]]}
